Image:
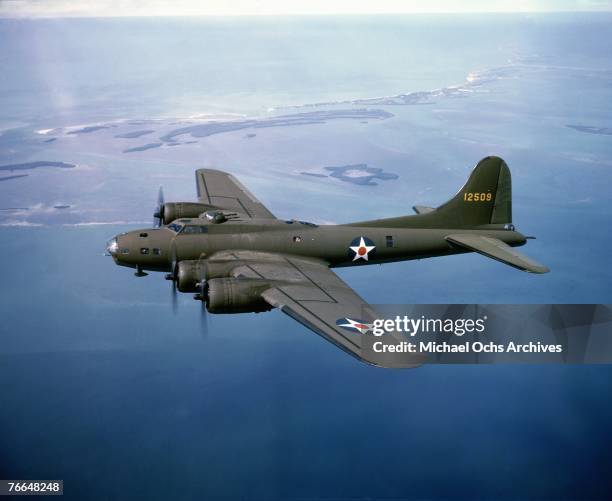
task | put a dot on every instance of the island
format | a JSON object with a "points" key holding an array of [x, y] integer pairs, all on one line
{"points": [[590, 129], [89, 129], [6, 178], [306, 118], [359, 174], [135, 134], [36, 165], [144, 147]]}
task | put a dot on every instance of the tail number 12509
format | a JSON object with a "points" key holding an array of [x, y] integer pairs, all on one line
{"points": [[468, 196]]}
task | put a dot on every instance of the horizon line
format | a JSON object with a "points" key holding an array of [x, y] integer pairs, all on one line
{"points": [[304, 14]]}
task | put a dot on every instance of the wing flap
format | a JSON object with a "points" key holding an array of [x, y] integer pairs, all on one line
{"points": [[498, 250]]}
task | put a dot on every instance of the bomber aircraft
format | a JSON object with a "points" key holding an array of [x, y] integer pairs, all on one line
{"points": [[237, 257]]}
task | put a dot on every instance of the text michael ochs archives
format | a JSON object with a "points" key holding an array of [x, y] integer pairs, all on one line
{"points": [[413, 327]]}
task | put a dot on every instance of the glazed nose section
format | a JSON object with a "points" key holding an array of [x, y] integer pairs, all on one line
{"points": [[112, 247]]}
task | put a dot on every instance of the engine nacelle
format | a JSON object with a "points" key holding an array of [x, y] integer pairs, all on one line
{"points": [[178, 210], [236, 295], [189, 274]]}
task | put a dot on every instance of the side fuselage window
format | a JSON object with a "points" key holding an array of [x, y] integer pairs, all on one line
{"points": [[144, 250], [194, 230], [389, 240]]}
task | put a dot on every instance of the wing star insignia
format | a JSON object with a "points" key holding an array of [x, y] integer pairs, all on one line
{"points": [[354, 325]]}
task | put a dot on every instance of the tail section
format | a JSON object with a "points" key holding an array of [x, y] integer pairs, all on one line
{"points": [[486, 197]]}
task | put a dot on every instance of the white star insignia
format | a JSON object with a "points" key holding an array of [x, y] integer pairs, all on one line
{"points": [[362, 250], [353, 324]]}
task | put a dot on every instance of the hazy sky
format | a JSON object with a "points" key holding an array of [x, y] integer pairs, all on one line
{"points": [[60, 8]]}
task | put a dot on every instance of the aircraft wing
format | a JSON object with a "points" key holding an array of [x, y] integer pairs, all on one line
{"points": [[225, 192], [309, 292], [498, 250]]}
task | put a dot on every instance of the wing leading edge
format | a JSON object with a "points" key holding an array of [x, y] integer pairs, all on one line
{"points": [[222, 190]]}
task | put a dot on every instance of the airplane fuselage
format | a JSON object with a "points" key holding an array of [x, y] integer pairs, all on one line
{"points": [[339, 245]]}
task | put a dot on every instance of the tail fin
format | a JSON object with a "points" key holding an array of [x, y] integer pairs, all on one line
{"points": [[486, 197]]}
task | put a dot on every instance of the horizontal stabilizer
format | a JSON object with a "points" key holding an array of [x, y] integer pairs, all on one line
{"points": [[422, 209], [498, 250]]}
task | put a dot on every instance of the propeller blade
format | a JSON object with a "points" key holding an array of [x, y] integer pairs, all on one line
{"points": [[204, 320], [158, 215], [203, 310], [174, 298], [173, 276], [173, 261], [204, 297]]}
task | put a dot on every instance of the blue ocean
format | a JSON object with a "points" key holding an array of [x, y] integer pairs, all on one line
{"points": [[104, 386]]}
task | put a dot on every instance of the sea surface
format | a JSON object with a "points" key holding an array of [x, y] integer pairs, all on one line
{"points": [[103, 385]]}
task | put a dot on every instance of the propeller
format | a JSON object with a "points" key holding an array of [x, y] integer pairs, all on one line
{"points": [[202, 295], [174, 298], [158, 215], [173, 276], [203, 310]]}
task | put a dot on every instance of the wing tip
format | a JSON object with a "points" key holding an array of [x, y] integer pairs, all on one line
{"points": [[210, 170], [540, 269]]}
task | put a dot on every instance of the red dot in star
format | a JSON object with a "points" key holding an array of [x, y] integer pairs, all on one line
{"points": [[361, 251]]}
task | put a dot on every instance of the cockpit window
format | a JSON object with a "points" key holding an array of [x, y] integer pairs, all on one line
{"points": [[193, 230], [175, 227], [308, 224]]}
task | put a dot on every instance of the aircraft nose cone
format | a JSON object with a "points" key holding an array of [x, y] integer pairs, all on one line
{"points": [[112, 247]]}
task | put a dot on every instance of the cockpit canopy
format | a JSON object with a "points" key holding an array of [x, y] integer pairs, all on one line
{"points": [[187, 227]]}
